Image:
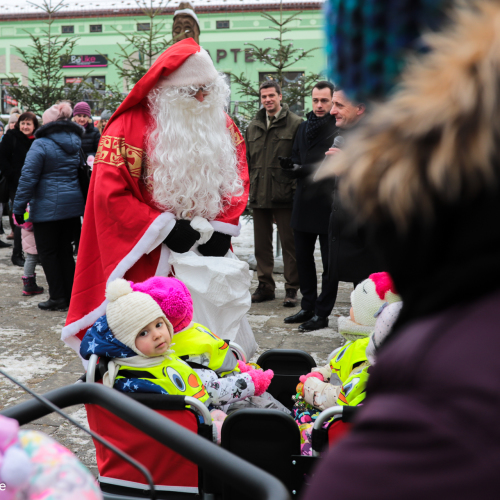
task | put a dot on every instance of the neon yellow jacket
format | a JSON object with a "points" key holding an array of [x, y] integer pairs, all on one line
{"points": [[353, 391], [174, 375], [198, 344], [342, 364]]}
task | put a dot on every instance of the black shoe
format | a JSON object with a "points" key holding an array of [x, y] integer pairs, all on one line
{"points": [[316, 323], [4, 245], [291, 299], [300, 317], [17, 260], [54, 305], [262, 294]]}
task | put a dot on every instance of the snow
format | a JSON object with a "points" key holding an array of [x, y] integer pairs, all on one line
{"points": [[78, 6]]}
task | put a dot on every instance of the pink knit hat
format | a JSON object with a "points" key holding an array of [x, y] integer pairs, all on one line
{"points": [[172, 296], [62, 110]]}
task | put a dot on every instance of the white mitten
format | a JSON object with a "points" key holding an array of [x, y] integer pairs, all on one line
{"points": [[321, 395], [326, 371]]}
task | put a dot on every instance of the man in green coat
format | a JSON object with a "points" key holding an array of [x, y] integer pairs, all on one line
{"points": [[270, 135]]}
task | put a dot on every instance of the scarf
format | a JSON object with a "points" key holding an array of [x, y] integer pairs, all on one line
{"points": [[314, 124]]}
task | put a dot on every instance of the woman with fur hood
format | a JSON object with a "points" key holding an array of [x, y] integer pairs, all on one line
{"points": [[423, 176], [49, 183]]}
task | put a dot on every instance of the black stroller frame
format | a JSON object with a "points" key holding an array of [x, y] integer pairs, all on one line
{"points": [[219, 463], [260, 454]]}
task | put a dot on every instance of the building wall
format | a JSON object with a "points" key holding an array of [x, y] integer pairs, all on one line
{"points": [[226, 46]]}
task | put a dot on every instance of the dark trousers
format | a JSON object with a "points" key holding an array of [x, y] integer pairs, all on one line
{"points": [[53, 242], [18, 245], [322, 305], [263, 238]]}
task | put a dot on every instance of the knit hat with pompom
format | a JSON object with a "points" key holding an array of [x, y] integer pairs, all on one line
{"points": [[128, 312], [172, 296], [56, 112], [369, 297]]}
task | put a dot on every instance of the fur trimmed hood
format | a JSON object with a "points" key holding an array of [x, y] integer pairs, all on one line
{"points": [[437, 141]]}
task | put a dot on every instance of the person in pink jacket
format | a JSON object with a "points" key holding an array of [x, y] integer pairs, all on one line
{"points": [[30, 286]]}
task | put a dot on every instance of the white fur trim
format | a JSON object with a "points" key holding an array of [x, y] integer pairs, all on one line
{"points": [[198, 69], [224, 227], [157, 231], [189, 12], [163, 268]]}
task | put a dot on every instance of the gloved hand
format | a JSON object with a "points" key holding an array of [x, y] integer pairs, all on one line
{"points": [[182, 237], [216, 246], [19, 218], [285, 162]]}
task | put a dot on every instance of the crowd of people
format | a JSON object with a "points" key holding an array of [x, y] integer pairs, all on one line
{"points": [[41, 192], [283, 154]]}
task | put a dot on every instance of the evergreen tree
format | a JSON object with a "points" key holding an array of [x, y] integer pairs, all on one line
{"points": [[142, 48], [44, 58], [279, 59]]}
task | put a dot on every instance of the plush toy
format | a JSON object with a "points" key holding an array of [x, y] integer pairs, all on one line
{"points": [[15, 465]]}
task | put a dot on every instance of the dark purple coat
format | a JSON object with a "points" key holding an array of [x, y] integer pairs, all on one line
{"points": [[430, 428]]}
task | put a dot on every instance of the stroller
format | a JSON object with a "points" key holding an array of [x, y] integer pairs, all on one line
{"points": [[176, 450]]}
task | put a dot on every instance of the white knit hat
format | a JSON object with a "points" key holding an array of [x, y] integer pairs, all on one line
{"points": [[198, 69], [128, 312], [369, 297]]}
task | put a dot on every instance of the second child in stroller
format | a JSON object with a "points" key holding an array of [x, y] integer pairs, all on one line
{"points": [[136, 335]]}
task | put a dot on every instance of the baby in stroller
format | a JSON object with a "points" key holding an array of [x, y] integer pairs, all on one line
{"points": [[375, 307], [137, 335]]}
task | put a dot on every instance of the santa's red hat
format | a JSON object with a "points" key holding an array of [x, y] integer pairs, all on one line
{"points": [[184, 63]]}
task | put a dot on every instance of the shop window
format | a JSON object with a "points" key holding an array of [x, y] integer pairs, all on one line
{"points": [[98, 82], [143, 26], [8, 102], [222, 25], [96, 28], [67, 29]]}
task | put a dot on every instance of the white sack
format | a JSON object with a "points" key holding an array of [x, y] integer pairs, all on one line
{"points": [[220, 288]]}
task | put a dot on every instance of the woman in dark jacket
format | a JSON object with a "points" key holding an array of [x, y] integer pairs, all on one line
{"points": [[13, 150], [90, 139], [423, 175], [49, 183]]}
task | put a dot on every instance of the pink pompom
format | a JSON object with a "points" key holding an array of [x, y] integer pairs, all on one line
{"points": [[243, 367], [261, 380], [172, 296], [318, 375], [383, 284]]}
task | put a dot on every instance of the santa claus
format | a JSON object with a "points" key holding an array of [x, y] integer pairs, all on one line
{"points": [[168, 155]]}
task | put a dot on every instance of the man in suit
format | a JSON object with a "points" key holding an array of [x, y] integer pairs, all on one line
{"points": [[312, 206]]}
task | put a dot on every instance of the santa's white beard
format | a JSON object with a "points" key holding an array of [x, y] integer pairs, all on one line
{"points": [[193, 163]]}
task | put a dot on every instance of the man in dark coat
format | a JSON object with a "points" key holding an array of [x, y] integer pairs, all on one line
{"points": [[312, 206], [349, 260]]}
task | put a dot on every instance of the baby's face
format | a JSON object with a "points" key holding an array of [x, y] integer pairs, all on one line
{"points": [[154, 339]]}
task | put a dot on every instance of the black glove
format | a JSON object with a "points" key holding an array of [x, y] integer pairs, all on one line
{"points": [[285, 163], [19, 218], [216, 246], [182, 237]]}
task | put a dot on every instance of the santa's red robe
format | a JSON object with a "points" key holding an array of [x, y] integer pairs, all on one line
{"points": [[123, 230]]}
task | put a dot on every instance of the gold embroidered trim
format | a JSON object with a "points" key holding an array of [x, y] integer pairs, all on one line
{"points": [[235, 136], [115, 151]]}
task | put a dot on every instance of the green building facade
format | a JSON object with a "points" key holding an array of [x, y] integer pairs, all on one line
{"points": [[224, 34]]}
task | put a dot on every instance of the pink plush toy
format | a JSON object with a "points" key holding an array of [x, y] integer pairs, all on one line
{"points": [[15, 465], [261, 379], [318, 375], [172, 296]]}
